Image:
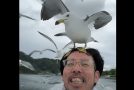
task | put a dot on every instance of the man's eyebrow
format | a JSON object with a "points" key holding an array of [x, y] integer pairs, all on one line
{"points": [[85, 59]]}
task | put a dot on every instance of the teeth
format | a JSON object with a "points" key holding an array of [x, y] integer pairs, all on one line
{"points": [[77, 80]]}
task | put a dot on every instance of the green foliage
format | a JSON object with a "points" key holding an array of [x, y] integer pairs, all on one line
{"points": [[111, 72], [42, 65]]}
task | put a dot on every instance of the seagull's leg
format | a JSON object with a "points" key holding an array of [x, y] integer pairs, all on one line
{"points": [[85, 45]]}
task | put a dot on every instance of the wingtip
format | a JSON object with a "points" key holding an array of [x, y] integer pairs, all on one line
{"points": [[56, 35], [102, 21], [38, 31], [105, 12]]}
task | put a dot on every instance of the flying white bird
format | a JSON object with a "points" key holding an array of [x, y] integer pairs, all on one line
{"points": [[57, 51], [76, 28], [38, 51], [26, 64]]}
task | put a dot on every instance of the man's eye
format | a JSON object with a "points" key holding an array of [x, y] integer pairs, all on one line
{"points": [[70, 64], [85, 64]]}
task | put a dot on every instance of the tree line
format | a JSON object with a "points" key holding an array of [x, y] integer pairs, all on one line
{"points": [[41, 65]]}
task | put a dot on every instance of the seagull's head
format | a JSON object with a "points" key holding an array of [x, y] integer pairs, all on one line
{"points": [[60, 21], [65, 17]]}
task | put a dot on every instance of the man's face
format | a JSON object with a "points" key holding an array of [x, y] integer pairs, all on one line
{"points": [[79, 76]]}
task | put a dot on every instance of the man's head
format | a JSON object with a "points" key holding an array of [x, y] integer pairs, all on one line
{"points": [[81, 68]]}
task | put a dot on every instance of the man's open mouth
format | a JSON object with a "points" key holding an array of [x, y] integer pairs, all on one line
{"points": [[77, 80]]}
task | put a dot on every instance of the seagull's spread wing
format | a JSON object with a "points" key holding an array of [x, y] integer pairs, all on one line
{"points": [[34, 52], [49, 50], [51, 8], [49, 39], [100, 19], [21, 15]]}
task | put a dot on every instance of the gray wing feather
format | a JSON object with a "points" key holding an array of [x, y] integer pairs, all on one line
{"points": [[48, 38], [51, 8], [102, 21], [62, 6], [100, 18]]}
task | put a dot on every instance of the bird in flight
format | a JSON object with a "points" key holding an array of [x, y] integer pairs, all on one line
{"points": [[26, 64], [57, 51]]}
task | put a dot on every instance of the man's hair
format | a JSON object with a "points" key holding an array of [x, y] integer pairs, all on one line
{"points": [[99, 62]]}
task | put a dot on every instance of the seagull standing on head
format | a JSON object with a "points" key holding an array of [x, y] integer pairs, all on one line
{"points": [[76, 28]]}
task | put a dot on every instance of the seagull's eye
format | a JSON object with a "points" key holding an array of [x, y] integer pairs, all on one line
{"points": [[67, 15]]}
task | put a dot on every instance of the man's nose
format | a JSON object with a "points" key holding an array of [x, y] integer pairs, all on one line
{"points": [[76, 68]]}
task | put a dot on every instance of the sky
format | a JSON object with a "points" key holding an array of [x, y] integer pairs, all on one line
{"points": [[30, 39]]}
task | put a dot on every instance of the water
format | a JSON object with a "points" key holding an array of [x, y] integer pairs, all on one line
{"points": [[54, 82]]}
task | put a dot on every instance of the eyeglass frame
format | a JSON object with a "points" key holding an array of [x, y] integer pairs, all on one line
{"points": [[80, 63]]}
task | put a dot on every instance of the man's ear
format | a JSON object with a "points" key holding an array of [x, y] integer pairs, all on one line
{"points": [[97, 76]]}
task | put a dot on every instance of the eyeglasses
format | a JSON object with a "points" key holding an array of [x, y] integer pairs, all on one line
{"points": [[82, 63]]}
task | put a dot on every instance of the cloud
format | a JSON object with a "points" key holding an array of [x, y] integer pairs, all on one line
{"points": [[87, 7]]}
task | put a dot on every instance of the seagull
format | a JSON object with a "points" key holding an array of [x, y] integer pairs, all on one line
{"points": [[76, 28], [41, 51], [57, 51], [26, 64], [34, 52]]}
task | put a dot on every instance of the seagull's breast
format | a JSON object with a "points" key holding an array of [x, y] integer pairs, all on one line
{"points": [[77, 30]]}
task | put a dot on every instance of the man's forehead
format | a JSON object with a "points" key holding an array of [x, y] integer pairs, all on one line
{"points": [[77, 54]]}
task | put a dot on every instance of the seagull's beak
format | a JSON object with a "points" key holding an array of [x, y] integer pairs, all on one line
{"points": [[59, 21]]}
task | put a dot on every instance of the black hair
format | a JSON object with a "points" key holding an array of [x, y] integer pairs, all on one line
{"points": [[99, 62]]}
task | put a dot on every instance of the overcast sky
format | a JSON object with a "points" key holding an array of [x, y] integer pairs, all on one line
{"points": [[30, 39]]}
